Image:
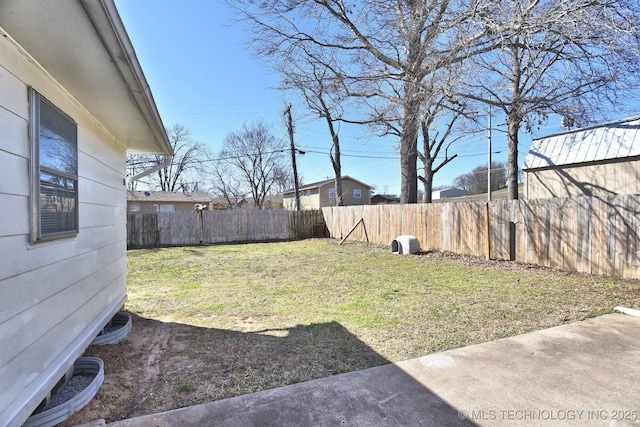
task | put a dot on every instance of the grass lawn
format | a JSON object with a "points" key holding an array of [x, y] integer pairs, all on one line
{"points": [[219, 321], [399, 306]]}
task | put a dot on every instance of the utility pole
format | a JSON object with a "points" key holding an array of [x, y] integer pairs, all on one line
{"points": [[287, 112]]}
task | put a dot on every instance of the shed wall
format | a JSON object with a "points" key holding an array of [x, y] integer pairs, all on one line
{"points": [[56, 296], [597, 180]]}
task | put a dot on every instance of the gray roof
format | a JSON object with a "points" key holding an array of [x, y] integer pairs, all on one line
{"points": [[603, 142], [168, 196]]}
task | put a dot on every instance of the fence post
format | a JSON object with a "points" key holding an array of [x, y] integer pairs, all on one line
{"points": [[488, 231]]}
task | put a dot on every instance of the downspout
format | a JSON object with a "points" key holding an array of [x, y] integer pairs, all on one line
{"points": [[142, 174]]}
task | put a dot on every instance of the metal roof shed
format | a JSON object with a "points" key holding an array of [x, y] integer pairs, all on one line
{"points": [[598, 161]]}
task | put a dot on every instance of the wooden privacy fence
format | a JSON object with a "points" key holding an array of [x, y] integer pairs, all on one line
{"points": [[229, 226], [585, 234]]}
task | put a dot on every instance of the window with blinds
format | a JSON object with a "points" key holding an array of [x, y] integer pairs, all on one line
{"points": [[55, 164]]}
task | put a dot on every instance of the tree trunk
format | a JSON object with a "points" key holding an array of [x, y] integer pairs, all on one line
{"points": [[427, 181], [409, 143], [408, 167], [428, 188], [337, 168], [334, 155], [512, 160], [338, 185], [514, 119]]}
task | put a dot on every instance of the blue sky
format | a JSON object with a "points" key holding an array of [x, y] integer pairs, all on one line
{"points": [[203, 77]]}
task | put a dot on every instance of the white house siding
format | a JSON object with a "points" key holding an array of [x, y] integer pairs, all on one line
{"points": [[55, 296], [309, 202], [288, 202]]}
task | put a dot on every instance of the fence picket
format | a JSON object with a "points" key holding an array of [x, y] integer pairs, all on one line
{"points": [[584, 234], [184, 228]]}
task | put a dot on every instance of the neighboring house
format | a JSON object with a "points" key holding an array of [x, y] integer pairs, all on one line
{"points": [[73, 101], [250, 203], [239, 203], [165, 201], [384, 199], [600, 161], [323, 193], [448, 193], [222, 203]]}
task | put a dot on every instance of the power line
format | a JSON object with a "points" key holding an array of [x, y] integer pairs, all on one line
{"points": [[304, 150], [361, 156]]}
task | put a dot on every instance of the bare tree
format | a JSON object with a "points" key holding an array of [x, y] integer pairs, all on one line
{"points": [[176, 175], [382, 51], [433, 141], [475, 182], [179, 173], [438, 125], [284, 180], [568, 57], [257, 157], [226, 184], [443, 120], [323, 97], [136, 164]]}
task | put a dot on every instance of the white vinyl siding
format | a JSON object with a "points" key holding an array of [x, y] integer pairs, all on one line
{"points": [[57, 294]]}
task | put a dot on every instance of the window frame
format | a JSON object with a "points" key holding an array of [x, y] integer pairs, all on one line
{"points": [[36, 229], [357, 193], [332, 193]]}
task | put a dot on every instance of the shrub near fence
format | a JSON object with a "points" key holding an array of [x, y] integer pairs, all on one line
{"points": [[585, 234], [228, 226]]}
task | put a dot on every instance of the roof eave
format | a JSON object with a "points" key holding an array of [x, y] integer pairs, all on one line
{"points": [[110, 28]]}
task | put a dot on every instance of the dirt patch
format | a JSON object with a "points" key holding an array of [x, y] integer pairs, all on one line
{"points": [[494, 264], [166, 365], [132, 369]]}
